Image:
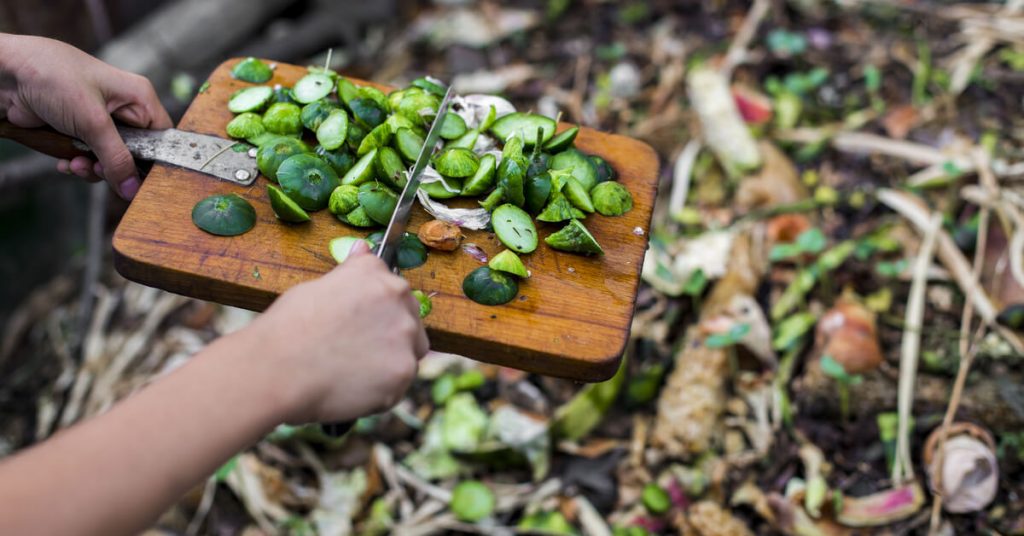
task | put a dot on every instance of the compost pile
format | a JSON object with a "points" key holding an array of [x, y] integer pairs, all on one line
{"points": [[827, 340]]}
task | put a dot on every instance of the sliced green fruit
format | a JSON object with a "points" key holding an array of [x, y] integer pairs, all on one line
{"points": [[347, 91], [483, 179], [655, 499], [396, 122], [367, 112], [261, 139], [408, 143], [378, 201], [411, 251], [283, 118], [514, 228], [562, 141], [362, 171], [472, 501], [493, 199], [283, 94], [579, 164], [378, 137], [537, 191], [605, 171], [578, 195], [526, 125], [466, 141], [492, 115], [224, 215], [271, 154], [559, 209], [252, 70], [489, 287], [341, 247], [389, 167], [284, 207], [436, 190], [250, 99], [333, 130], [512, 178], [308, 180], [425, 304], [356, 133], [575, 238], [419, 107], [538, 163], [341, 160], [246, 126], [456, 162], [452, 126], [376, 95], [507, 261], [314, 113], [611, 199], [429, 86], [312, 87], [344, 199], [357, 218]]}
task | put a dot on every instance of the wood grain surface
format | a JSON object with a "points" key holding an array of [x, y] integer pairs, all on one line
{"points": [[571, 318]]}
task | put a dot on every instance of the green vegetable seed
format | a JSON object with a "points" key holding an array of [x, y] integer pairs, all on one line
{"points": [[252, 70], [575, 238], [514, 228], [611, 199], [224, 215]]}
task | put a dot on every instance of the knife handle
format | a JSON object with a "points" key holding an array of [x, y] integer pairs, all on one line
{"points": [[43, 139]]}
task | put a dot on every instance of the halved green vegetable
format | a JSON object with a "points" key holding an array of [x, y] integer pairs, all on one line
{"points": [[611, 199], [367, 112], [312, 87], [452, 126], [512, 178], [357, 218], [308, 180], [250, 99], [425, 304], [376, 95], [578, 195], [252, 70], [224, 215], [418, 107], [559, 209], [411, 251], [283, 118], [362, 171], [526, 125], [579, 165], [347, 91], [389, 167], [575, 238], [314, 113], [429, 86], [483, 179], [378, 201], [284, 208], [493, 199], [356, 133], [408, 143], [492, 115], [507, 261], [283, 94], [341, 247], [605, 171], [333, 130], [466, 141], [436, 190], [341, 160], [562, 141], [396, 122], [472, 501], [514, 228], [537, 191], [246, 126], [456, 162], [489, 287], [344, 199], [378, 137], [271, 154]]}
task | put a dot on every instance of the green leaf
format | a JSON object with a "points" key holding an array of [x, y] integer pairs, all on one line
{"points": [[812, 240], [792, 329], [893, 268], [696, 284], [872, 78], [833, 369], [783, 251]]}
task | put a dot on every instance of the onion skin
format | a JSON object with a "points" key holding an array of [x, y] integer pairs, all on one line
{"points": [[970, 468]]}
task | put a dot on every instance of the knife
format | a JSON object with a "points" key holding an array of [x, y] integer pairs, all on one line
{"points": [[387, 251], [224, 159]]}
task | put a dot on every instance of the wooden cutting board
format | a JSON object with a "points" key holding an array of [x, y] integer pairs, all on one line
{"points": [[571, 318]]}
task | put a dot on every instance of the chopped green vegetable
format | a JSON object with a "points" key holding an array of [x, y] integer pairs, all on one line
{"points": [[246, 126], [283, 118], [576, 238], [271, 154], [452, 126], [514, 228], [224, 215], [344, 199], [456, 162], [507, 261], [411, 251], [559, 209], [493, 199], [389, 167], [308, 180], [526, 125], [611, 199], [437, 189], [250, 99], [537, 191], [362, 171], [424, 300], [483, 179], [577, 195], [378, 137], [341, 247], [581, 166], [605, 171], [314, 113], [368, 112], [472, 501], [378, 201], [284, 207], [332, 131], [655, 499], [312, 87], [408, 143], [341, 160], [466, 141], [562, 141], [489, 287]]}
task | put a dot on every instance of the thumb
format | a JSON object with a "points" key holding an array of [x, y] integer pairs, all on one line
{"points": [[118, 166], [359, 248]]}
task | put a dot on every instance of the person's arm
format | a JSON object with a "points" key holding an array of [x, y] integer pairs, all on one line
{"points": [[43, 81], [333, 349]]}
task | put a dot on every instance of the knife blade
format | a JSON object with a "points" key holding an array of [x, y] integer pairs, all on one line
{"points": [[388, 250], [224, 159]]}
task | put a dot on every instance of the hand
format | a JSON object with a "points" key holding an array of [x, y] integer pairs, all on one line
{"points": [[346, 345], [58, 85]]}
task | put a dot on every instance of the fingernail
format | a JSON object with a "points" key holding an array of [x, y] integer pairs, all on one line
{"points": [[129, 188]]}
